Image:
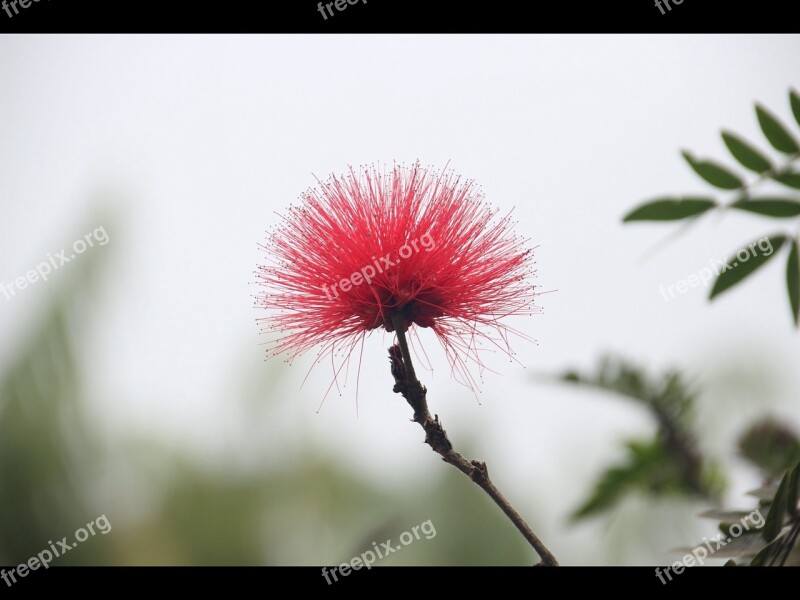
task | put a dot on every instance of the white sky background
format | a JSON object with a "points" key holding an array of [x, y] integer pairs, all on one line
{"points": [[201, 139]]}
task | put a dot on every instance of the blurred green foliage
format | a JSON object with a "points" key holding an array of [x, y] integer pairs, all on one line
{"points": [[670, 463]]}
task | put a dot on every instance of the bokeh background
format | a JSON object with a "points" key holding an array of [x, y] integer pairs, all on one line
{"points": [[133, 382]]}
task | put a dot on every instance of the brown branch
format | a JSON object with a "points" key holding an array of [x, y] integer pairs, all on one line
{"points": [[407, 384]]}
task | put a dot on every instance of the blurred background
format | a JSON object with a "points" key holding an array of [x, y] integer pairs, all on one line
{"points": [[133, 382]]}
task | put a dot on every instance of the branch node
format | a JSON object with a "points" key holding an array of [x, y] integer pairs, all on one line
{"points": [[480, 472]]}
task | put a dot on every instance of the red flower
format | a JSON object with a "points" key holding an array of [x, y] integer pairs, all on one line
{"points": [[416, 247]]}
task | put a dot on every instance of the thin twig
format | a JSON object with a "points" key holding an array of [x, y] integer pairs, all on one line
{"points": [[407, 384]]}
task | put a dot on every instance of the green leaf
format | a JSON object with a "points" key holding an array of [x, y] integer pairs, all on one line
{"points": [[714, 173], [746, 545], [733, 528], [670, 209], [770, 207], [775, 132], [725, 516], [774, 523], [794, 492], [649, 467], [793, 282], [745, 153], [794, 100], [765, 556], [789, 179], [737, 269], [765, 493]]}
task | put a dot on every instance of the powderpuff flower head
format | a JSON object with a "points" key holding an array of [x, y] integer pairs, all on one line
{"points": [[411, 248]]}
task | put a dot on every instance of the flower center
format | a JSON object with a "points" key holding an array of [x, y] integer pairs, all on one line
{"points": [[420, 310]]}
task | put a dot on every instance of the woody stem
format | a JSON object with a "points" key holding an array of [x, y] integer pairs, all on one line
{"points": [[407, 384]]}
